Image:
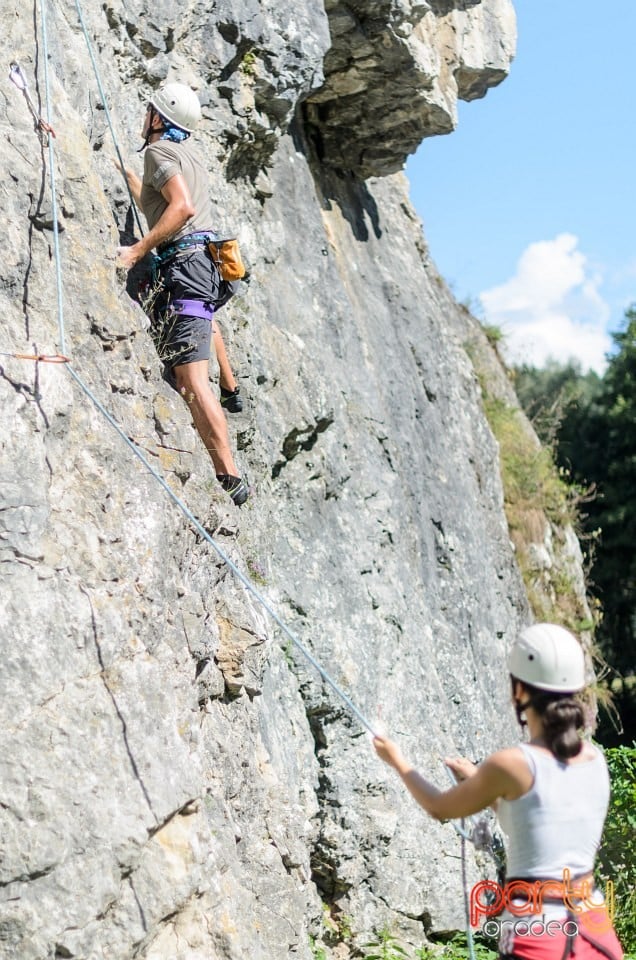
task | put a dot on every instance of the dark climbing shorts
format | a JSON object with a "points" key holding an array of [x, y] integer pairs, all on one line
{"points": [[179, 338]]}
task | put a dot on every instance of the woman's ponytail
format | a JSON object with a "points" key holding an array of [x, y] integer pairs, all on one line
{"points": [[563, 718]]}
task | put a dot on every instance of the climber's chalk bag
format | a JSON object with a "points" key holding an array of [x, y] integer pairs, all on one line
{"points": [[227, 257]]}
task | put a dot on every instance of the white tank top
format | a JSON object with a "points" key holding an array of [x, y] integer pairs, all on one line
{"points": [[559, 821]]}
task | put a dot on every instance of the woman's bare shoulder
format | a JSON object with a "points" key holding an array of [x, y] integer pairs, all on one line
{"points": [[508, 757], [512, 764]]}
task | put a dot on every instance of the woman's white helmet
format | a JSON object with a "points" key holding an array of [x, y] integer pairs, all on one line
{"points": [[178, 104], [548, 657]]}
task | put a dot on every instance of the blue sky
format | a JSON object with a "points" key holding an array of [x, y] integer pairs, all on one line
{"points": [[528, 206]]}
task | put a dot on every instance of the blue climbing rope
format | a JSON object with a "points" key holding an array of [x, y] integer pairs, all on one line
{"points": [[226, 559], [469, 933], [465, 837]]}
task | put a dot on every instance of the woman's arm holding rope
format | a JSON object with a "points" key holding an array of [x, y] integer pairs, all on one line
{"points": [[483, 785]]}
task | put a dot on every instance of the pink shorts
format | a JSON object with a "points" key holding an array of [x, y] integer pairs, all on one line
{"points": [[594, 941]]}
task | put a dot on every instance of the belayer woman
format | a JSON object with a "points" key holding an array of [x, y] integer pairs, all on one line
{"points": [[551, 796]]}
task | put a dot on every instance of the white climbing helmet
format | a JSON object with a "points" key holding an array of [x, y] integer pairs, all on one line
{"points": [[178, 104], [548, 657]]}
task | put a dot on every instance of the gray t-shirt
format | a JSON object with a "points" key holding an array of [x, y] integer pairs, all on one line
{"points": [[165, 159]]}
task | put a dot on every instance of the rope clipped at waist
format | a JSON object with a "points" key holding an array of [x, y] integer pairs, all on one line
{"points": [[170, 249]]}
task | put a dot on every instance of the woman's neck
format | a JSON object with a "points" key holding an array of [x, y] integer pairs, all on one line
{"points": [[535, 727]]}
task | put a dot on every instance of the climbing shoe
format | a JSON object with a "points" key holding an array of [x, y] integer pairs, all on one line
{"points": [[236, 488], [231, 401]]}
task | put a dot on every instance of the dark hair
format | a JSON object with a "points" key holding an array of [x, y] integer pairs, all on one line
{"points": [[562, 716]]}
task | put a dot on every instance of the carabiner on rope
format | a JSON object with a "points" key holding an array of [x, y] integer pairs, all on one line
{"points": [[17, 77]]}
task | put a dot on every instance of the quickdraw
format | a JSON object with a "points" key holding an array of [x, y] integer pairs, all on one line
{"points": [[16, 75]]}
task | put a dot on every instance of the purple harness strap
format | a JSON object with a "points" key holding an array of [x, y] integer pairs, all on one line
{"points": [[193, 308]]}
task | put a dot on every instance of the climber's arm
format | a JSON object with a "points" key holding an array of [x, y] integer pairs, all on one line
{"points": [[178, 211]]}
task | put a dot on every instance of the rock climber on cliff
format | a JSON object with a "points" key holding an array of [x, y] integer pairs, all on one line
{"points": [[173, 195], [552, 796]]}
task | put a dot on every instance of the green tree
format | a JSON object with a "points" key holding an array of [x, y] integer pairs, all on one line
{"points": [[617, 856], [615, 508], [555, 397], [591, 423]]}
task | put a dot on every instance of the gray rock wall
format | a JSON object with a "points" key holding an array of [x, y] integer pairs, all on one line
{"points": [[394, 72], [175, 781]]}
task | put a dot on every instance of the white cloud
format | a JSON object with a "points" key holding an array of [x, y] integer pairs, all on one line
{"points": [[551, 307]]}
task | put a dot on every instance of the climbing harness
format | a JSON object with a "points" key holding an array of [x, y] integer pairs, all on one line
{"points": [[595, 930], [193, 308], [16, 75], [170, 249], [224, 252]]}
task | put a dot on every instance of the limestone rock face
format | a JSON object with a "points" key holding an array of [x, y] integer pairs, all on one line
{"points": [[175, 780], [395, 71]]}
